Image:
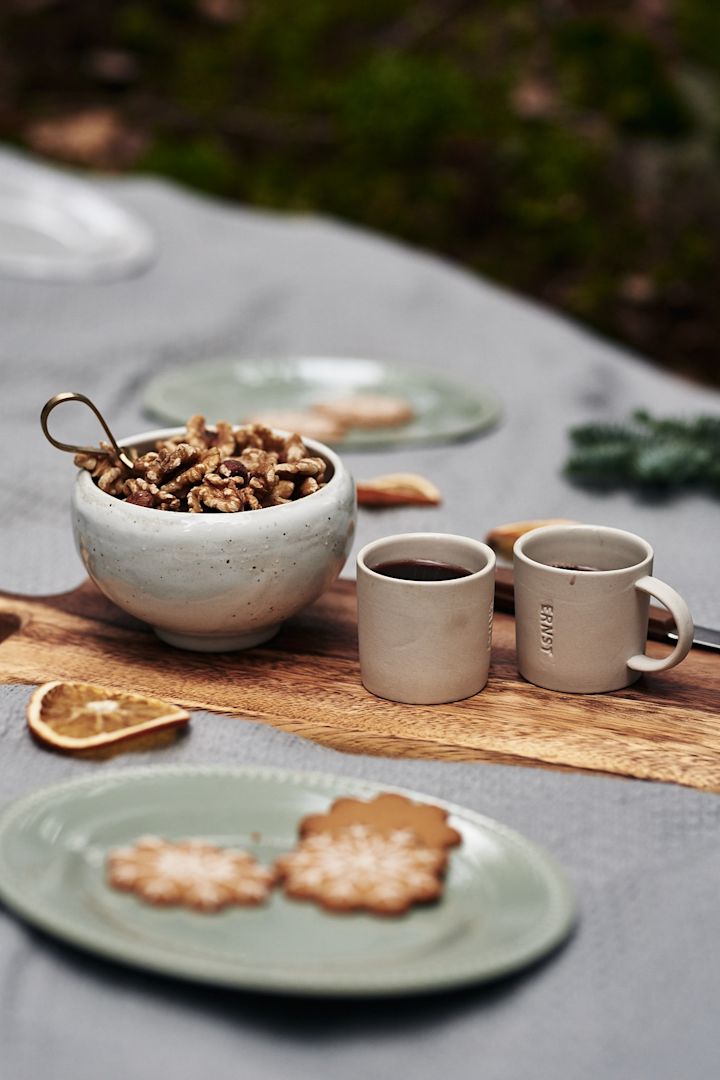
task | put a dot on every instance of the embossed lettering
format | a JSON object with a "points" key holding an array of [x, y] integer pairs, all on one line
{"points": [[547, 625]]}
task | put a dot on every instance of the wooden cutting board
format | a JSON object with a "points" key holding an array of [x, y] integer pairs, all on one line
{"points": [[666, 727]]}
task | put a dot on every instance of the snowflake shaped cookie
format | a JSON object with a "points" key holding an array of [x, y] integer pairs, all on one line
{"points": [[191, 873], [358, 868]]}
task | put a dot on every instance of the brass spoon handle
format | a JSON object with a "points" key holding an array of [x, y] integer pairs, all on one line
{"points": [[68, 395]]}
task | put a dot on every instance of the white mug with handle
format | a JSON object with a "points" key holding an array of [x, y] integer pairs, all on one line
{"points": [[582, 594]]}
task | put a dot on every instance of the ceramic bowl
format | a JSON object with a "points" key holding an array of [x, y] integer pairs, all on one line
{"points": [[214, 582]]}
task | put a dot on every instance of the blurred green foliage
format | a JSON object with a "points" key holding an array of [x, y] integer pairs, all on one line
{"points": [[569, 148]]}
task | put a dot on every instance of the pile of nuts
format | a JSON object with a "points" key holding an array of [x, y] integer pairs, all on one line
{"points": [[223, 469]]}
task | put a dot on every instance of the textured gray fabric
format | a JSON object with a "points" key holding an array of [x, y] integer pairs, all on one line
{"points": [[229, 280], [632, 996]]}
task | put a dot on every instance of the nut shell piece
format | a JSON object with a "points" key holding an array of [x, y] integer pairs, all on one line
{"points": [[398, 489], [502, 538]]}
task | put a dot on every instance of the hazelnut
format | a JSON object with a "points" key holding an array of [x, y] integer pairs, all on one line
{"points": [[233, 467], [141, 498]]}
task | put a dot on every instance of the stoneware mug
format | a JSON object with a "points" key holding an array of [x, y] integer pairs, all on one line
{"points": [[425, 642], [582, 594]]}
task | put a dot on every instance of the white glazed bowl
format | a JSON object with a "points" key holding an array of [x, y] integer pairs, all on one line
{"points": [[213, 582]]}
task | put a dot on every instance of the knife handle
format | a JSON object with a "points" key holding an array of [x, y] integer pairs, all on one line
{"points": [[660, 623]]}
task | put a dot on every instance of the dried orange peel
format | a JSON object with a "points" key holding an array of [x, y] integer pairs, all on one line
{"points": [[83, 716]]}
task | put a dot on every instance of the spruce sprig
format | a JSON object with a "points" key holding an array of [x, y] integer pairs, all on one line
{"points": [[648, 452]]}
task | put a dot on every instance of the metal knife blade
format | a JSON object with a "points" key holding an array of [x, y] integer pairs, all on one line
{"points": [[661, 626], [703, 637]]}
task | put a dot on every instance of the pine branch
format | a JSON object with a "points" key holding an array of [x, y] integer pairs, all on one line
{"points": [[646, 452]]}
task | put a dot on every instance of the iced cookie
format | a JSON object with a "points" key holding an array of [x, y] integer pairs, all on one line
{"points": [[367, 410], [385, 814], [189, 873], [312, 424], [360, 869]]}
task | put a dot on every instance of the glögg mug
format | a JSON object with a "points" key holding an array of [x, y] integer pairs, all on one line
{"points": [[425, 642], [582, 594]]}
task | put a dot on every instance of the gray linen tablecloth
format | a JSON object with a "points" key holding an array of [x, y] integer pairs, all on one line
{"points": [[632, 996]]}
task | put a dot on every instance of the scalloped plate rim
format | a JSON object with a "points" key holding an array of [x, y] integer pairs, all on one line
{"points": [[482, 407], [559, 919]]}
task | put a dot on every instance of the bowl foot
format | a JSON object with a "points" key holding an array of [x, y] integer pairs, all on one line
{"points": [[217, 642]]}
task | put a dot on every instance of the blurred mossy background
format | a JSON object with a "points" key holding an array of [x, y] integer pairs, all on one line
{"points": [[568, 148]]}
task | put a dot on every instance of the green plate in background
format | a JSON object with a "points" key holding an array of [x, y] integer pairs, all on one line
{"points": [[505, 902], [234, 389]]}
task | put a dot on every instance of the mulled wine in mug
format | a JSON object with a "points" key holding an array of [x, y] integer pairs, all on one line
{"points": [[582, 594]]}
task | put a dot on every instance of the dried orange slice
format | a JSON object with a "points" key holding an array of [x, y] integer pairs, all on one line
{"points": [[82, 716]]}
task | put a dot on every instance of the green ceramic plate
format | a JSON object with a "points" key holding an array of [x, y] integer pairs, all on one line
{"points": [[505, 902], [233, 389]]}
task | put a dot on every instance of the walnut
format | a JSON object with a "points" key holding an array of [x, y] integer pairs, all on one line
{"points": [[143, 493], [197, 435], [253, 436], [112, 479], [168, 502], [260, 465], [228, 499], [222, 470], [106, 469], [224, 439], [293, 449], [283, 490], [140, 492], [313, 466], [157, 466], [216, 480], [87, 461], [249, 500], [188, 478]]}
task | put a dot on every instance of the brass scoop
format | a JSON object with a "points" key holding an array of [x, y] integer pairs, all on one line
{"points": [[70, 396]]}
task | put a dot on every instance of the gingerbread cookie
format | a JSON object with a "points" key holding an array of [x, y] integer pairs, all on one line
{"points": [[357, 868], [311, 424], [191, 873], [384, 814], [367, 410]]}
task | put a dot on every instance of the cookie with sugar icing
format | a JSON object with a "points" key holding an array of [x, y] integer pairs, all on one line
{"points": [[188, 873], [307, 422], [367, 410], [386, 813], [357, 868]]}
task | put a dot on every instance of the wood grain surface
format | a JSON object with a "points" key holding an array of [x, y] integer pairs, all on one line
{"points": [[666, 727]]}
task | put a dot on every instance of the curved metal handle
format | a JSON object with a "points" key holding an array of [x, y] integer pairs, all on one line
{"points": [[683, 620], [69, 395]]}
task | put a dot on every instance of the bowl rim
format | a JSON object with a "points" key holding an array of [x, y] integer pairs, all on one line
{"points": [[87, 485]]}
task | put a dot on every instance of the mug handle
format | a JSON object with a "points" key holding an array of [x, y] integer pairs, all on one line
{"points": [[683, 621]]}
